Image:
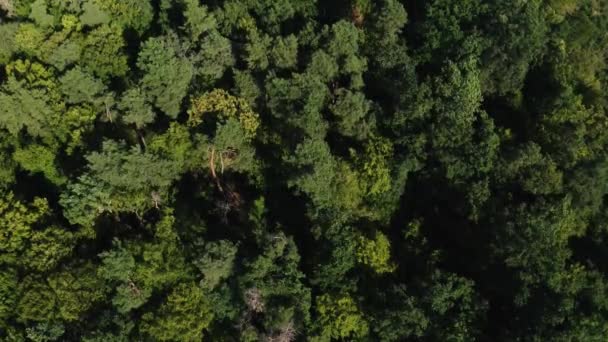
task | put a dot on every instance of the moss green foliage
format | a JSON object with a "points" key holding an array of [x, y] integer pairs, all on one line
{"points": [[375, 253], [340, 318], [8, 45], [130, 14], [18, 220], [93, 15], [102, 52], [182, 317], [303, 170], [227, 107]]}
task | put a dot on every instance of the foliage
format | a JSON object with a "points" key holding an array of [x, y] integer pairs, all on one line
{"points": [[286, 170], [227, 107], [134, 14], [183, 316], [78, 86], [217, 263], [135, 109], [340, 317], [17, 222], [93, 15], [43, 332], [37, 158], [76, 291], [166, 74], [102, 52], [375, 253], [119, 179], [8, 45]]}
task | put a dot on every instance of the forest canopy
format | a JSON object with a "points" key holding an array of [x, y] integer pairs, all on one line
{"points": [[303, 170]]}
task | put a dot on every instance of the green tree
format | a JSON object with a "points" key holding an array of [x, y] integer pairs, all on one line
{"points": [[284, 52], [92, 15], [37, 158], [66, 54], [532, 170], [167, 75], [7, 173], [375, 253], [134, 14], [199, 20], [29, 39], [76, 290], [39, 14], [137, 270], [47, 248], [351, 110], [299, 102], [18, 220], [226, 107], [339, 318], [214, 58], [217, 263], [8, 293], [182, 316], [447, 30], [261, 286], [453, 305], [384, 44], [43, 332], [102, 52], [28, 106], [518, 29], [118, 179], [78, 86], [136, 110], [8, 45], [37, 301], [400, 315], [247, 87], [328, 182]]}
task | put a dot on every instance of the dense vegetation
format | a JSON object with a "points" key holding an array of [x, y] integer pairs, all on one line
{"points": [[285, 170]]}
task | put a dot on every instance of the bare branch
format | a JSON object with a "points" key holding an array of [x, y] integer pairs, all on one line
{"points": [[212, 167], [156, 199], [222, 162], [254, 301], [7, 6], [134, 289], [287, 333], [108, 112]]}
